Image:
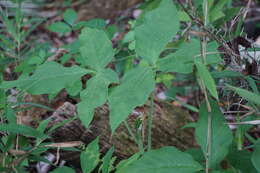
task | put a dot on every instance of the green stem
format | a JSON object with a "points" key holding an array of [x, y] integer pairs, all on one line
{"points": [[239, 136], [208, 155], [150, 122], [140, 141], [132, 134], [204, 50], [205, 9]]}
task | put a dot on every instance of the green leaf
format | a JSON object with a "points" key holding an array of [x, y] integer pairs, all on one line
{"points": [[256, 156], [252, 97], [165, 78], [43, 125], [10, 25], [223, 171], [38, 158], [121, 166], [95, 94], [164, 160], [213, 55], [241, 160], [2, 99], [183, 16], [111, 30], [10, 115], [253, 84], [38, 58], [73, 48], [59, 27], [198, 3], [48, 78], [110, 76], [182, 60], [107, 161], [196, 153], [96, 49], [70, 16], [221, 135], [21, 129], [63, 169], [89, 158], [159, 27], [216, 10], [93, 23], [207, 78], [73, 89], [136, 86]]}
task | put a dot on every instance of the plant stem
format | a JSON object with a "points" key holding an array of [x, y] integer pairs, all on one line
{"points": [[205, 6], [208, 155], [132, 134], [140, 142], [204, 50], [150, 122]]}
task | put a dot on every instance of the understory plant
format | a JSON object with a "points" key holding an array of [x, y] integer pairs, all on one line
{"points": [[160, 48]]}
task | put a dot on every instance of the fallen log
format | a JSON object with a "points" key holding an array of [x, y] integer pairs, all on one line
{"points": [[166, 131]]}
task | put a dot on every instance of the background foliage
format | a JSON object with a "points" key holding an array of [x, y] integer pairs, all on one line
{"points": [[168, 42]]}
